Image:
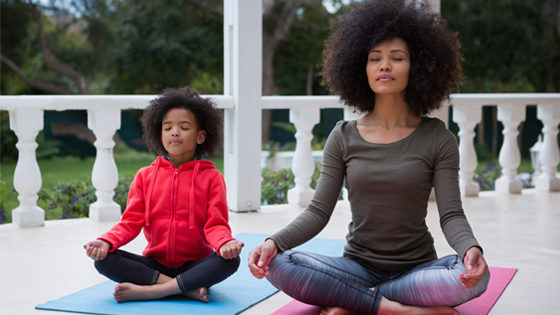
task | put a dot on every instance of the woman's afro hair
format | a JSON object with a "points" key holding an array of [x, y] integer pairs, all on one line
{"points": [[207, 116], [435, 56]]}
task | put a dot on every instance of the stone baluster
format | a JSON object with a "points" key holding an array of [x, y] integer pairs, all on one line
{"points": [[467, 116], [549, 157], [303, 165], [104, 122], [510, 116], [26, 123]]}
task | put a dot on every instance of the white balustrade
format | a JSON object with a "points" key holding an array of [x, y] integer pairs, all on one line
{"points": [[510, 157], [26, 123], [104, 122], [467, 116], [303, 164], [26, 119], [549, 157]]}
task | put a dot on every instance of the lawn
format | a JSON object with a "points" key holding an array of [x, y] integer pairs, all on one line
{"points": [[67, 169]]}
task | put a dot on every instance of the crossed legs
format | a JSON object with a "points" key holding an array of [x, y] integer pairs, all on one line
{"points": [[343, 284], [141, 278]]}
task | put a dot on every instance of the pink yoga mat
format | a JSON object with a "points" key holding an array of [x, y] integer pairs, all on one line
{"points": [[499, 279]]}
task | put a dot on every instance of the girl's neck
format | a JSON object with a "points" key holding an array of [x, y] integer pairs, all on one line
{"points": [[177, 162]]}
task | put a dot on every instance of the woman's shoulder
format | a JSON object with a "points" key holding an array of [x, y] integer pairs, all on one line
{"points": [[344, 127], [436, 127]]}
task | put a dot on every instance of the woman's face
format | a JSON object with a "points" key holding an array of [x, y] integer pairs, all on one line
{"points": [[388, 67]]}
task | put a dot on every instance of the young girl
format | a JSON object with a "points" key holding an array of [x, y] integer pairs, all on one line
{"points": [[394, 61], [180, 202]]}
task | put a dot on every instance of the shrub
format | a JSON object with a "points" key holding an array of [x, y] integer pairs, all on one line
{"points": [[3, 197], [487, 177], [275, 185], [74, 198]]}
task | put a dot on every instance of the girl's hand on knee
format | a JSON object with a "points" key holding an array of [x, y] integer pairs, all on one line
{"points": [[97, 250], [476, 267], [260, 257], [231, 249]]}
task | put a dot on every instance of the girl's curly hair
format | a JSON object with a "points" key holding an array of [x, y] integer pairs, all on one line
{"points": [[435, 57], [207, 116]]}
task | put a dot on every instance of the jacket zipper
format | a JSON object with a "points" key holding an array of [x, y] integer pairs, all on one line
{"points": [[172, 228]]}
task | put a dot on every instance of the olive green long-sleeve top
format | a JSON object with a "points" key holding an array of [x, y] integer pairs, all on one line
{"points": [[388, 189]]}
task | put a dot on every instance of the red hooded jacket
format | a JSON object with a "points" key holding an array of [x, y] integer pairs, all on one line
{"points": [[183, 212]]}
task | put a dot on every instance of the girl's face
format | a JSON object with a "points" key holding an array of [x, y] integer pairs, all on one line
{"points": [[180, 134], [388, 67]]}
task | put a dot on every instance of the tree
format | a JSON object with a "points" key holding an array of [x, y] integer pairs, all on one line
{"points": [[167, 43], [517, 50], [49, 48]]}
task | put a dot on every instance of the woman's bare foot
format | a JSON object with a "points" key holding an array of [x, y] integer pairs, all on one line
{"points": [[200, 294], [392, 307], [335, 310]]}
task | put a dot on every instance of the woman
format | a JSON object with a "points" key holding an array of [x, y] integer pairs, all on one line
{"points": [[395, 61]]}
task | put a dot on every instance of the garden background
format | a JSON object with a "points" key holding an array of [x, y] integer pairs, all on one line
{"points": [[142, 47]]}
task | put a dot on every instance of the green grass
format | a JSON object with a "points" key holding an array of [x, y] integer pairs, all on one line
{"points": [[67, 169]]}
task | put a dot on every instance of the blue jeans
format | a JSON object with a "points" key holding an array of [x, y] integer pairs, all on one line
{"points": [[338, 281], [122, 266]]}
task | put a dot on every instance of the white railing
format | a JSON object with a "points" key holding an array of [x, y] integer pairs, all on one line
{"points": [[104, 119], [104, 112], [467, 109]]}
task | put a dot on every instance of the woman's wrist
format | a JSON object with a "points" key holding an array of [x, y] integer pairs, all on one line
{"points": [[271, 242]]}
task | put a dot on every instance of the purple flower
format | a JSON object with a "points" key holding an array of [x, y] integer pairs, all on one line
{"points": [[74, 199], [3, 217]]}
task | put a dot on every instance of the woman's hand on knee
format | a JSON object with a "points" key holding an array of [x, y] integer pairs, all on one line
{"points": [[260, 257], [97, 250], [476, 267]]}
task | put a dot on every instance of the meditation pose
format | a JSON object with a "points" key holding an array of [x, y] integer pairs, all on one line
{"points": [[180, 202], [393, 61]]}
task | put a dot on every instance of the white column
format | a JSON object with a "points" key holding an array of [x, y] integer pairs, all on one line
{"points": [[510, 157], [104, 122], [467, 116], [303, 165], [26, 123], [549, 157], [434, 4], [242, 124]]}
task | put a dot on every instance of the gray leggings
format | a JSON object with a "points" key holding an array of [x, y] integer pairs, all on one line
{"points": [[337, 281], [122, 266]]}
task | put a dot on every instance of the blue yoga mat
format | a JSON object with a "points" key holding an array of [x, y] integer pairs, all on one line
{"points": [[231, 296]]}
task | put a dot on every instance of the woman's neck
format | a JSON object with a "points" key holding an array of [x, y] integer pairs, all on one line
{"points": [[391, 111]]}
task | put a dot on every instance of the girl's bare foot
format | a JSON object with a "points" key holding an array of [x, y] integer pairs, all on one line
{"points": [[200, 294], [335, 310], [392, 307], [125, 292], [133, 292]]}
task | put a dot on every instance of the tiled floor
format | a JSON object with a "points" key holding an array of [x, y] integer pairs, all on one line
{"points": [[520, 231]]}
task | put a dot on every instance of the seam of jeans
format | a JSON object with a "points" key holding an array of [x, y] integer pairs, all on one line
{"points": [[327, 264], [348, 283], [413, 269], [373, 293]]}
